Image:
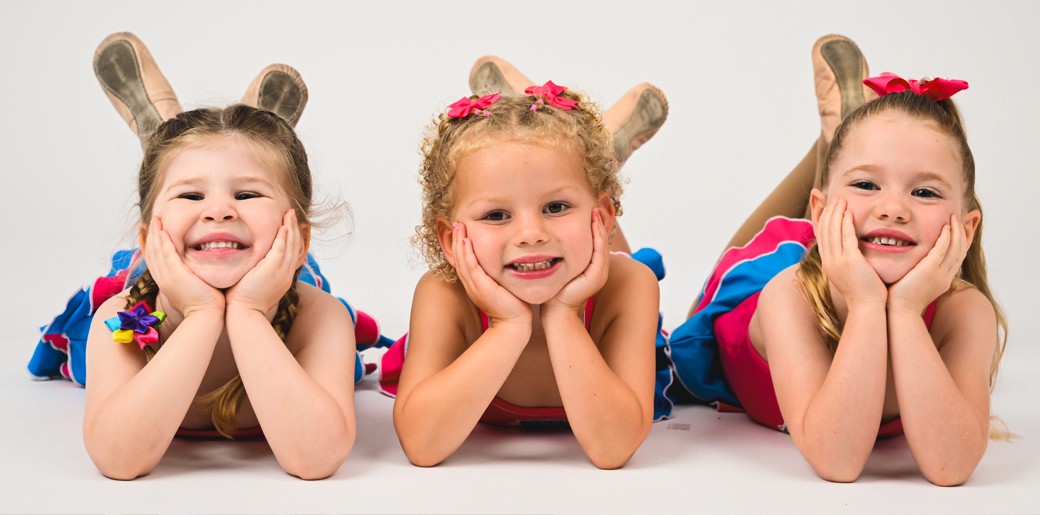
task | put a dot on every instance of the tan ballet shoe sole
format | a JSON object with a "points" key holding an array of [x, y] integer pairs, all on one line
{"points": [[635, 118], [839, 69], [492, 74], [133, 83], [280, 89]]}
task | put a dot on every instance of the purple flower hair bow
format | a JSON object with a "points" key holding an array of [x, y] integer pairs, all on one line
{"points": [[136, 324]]}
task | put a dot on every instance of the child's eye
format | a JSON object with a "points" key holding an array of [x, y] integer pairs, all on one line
{"points": [[191, 196], [865, 185], [496, 216], [246, 195], [555, 208], [925, 193]]}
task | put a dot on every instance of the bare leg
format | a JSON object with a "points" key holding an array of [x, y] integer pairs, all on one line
{"points": [[635, 118], [492, 74], [133, 83]]}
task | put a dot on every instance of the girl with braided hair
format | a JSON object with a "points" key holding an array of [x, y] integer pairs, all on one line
{"points": [[235, 343]]}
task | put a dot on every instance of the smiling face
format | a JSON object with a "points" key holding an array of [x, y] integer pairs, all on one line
{"points": [[222, 207], [903, 179], [528, 212]]}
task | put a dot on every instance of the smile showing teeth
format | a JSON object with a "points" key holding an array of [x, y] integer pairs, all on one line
{"points": [[210, 245], [891, 242], [528, 267]]}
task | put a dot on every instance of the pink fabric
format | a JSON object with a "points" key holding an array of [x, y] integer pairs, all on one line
{"points": [[937, 89], [748, 374], [499, 412]]}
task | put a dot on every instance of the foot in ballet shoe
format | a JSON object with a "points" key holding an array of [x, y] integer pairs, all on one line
{"points": [[132, 81], [839, 69], [635, 118], [491, 74], [279, 89]]}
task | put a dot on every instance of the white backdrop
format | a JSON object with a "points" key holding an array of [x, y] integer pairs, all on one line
{"points": [[739, 81]]}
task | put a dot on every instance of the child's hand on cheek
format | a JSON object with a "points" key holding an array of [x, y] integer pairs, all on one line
{"points": [[934, 274], [575, 293], [843, 262], [263, 287], [488, 295], [186, 292]]}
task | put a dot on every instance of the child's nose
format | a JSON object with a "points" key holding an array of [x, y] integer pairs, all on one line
{"points": [[531, 230], [894, 207], [218, 210]]}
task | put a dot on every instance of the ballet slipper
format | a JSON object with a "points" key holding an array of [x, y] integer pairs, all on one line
{"points": [[492, 74], [279, 89], [132, 81], [635, 118], [838, 69]]}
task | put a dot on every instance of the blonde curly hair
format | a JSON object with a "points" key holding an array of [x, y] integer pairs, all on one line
{"points": [[448, 140]]}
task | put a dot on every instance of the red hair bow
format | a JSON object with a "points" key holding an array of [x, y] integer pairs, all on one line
{"points": [[465, 106], [936, 89], [548, 93]]}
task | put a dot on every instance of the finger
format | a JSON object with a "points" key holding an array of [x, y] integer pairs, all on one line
{"points": [[599, 238], [828, 234], [458, 245], [849, 241]]}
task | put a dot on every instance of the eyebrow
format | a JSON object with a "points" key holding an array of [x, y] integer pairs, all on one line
{"points": [[918, 176], [246, 179]]}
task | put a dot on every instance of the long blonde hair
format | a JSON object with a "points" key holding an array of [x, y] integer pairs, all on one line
{"points": [[276, 143], [945, 117]]}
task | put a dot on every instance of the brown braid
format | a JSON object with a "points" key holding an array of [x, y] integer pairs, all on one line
{"points": [[224, 402]]}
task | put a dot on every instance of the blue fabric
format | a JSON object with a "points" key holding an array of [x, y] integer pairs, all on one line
{"points": [[61, 350], [663, 403], [693, 349]]}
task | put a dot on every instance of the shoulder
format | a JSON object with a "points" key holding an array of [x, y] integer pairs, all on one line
{"points": [[439, 304], [319, 316], [314, 301], [111, 306], [626, 272], [783, 288], [962, 310], [631, 290]]}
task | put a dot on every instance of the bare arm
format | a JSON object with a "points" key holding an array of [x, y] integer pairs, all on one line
{"points": [[302, 393], [608, 389], [942, 377], [445, 387], [304, 403], [132, 410], [832, 405]]}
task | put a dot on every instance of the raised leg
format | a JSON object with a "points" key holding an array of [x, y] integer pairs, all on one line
{"points": [[133, 83], [280, 89]]}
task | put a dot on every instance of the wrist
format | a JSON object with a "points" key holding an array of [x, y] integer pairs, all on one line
{"points": [[512, 328]]}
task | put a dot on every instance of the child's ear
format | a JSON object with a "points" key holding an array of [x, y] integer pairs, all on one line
{"points": [[142, 235], [305, 233], [446, 236], [971, 224], [817, 201], [607, 211]]}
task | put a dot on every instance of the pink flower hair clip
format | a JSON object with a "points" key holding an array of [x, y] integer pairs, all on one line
{"points": [[549, 93], [465, 106], [934, 88]]}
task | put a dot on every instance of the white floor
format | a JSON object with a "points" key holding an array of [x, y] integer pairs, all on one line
{"points": [[739, 81]]}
